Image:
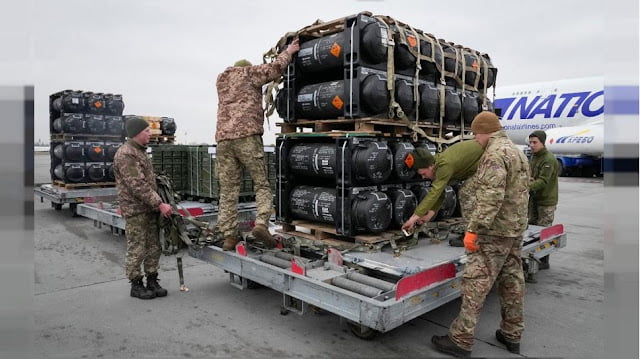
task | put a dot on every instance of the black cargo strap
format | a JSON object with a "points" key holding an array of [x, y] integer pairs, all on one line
{"points": [[173, 231]]}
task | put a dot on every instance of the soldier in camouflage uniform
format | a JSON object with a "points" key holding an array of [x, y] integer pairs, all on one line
{"points": [[456, 163], [544, 187], [140, 205], [239, 132], [493, 241]]}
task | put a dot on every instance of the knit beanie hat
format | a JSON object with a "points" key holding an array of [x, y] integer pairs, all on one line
{"points": [[422, 158], [135, 125], [242, 63], [542, 136], [485, 122]]}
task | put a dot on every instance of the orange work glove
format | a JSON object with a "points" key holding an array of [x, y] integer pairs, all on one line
{"points": [[470, 241]]}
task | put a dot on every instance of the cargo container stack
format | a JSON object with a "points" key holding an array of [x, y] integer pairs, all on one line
{"points": [[361, 94], [163, 128], [86, 130]]}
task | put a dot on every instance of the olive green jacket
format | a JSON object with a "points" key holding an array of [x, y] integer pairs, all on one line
{"points": [[544, 174], [456, 163]]}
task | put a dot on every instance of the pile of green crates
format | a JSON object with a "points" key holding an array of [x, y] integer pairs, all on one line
{"points": [[192, 170]]}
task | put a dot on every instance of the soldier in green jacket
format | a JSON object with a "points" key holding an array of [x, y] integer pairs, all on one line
{"points": [[544, 186], [493, 241], [457, 163]]}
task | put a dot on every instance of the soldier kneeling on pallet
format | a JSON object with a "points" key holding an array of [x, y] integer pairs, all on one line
{"points": [[140, 204]]}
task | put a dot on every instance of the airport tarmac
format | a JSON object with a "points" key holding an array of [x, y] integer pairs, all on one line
{"points": [[83, 308]]}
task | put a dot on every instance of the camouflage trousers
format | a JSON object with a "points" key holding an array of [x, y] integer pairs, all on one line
{"points": [[541, 215], [467, 197], [143, 244], [497, 261], [231, 156]]}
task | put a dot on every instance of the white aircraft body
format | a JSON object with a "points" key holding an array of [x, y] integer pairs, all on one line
{"points": [[571, 112]]}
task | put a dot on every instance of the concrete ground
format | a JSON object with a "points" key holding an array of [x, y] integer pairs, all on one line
{"points": [[83, 308]]}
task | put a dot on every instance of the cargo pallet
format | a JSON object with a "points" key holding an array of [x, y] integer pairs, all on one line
{"points": [[108, 214], [161, 139], [371, 126], [374, 291], [59, 195], [83, 185], [61, 137], [323, 231]]}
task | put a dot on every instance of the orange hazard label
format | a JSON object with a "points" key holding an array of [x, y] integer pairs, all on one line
{"points": [[337, 102], [409, 161], [97, 149], [474, 65], [413, 42], [335, 49], [97, 104]]}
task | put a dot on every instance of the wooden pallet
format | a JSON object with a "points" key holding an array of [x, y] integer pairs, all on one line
{"points": [[327, 233], [83, 185], [374, 126], [84, 136], [162, 139]]}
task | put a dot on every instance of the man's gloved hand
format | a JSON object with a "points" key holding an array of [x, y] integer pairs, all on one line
{"points": [[470, 241]]}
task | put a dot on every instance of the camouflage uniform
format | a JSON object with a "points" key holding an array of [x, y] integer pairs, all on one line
{"points": [[139, 201], [239, 130], [456, 163], [499, 218]]}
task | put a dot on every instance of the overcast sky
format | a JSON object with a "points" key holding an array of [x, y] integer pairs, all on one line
{"points": [[163, 56]]}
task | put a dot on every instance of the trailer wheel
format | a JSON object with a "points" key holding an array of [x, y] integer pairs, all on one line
{"points": [[562, 172], [253, 285], [74, 209], [362, 331]]}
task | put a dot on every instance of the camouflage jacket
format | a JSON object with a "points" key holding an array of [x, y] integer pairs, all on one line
{"points": [[240, 112], [544, 185], [456, 163], [502, 193], [135, 180]]}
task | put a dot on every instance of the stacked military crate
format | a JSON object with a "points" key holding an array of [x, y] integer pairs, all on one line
{"points": [[192, 170], [162, 128], [87, 128], [372, 69]]}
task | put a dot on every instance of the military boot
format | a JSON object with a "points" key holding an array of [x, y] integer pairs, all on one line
{"points": [[230, 243], [513, 347], [445, 345], [154, 286], [261, 233], [139, 291]]}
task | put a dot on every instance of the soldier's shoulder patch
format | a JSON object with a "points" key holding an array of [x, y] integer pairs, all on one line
{"points": [[133, 171]]}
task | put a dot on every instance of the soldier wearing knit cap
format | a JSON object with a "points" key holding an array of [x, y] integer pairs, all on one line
{"points": [[493, 241], [239, 129], [140, 205], [455, 164], [543, 197]]}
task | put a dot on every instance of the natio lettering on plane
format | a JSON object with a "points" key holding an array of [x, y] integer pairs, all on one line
{"points": [[552, 106]]}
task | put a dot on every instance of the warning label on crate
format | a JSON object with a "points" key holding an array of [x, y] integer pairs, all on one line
{"points": [[335, 49], [337, 102]]}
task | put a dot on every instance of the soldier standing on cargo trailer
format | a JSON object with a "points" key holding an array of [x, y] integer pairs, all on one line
{"points": [[543, 197], [239, 132], [457, 163], [140, 205], [493, 241]]}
